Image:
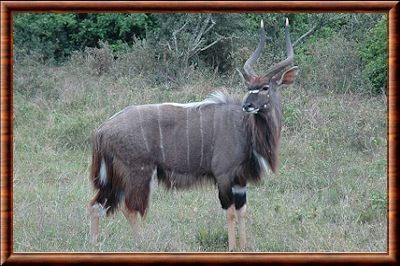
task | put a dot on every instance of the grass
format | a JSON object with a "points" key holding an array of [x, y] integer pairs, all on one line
{"points": [[329, 194]]}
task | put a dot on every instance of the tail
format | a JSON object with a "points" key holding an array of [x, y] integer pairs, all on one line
{"points": [[104, 179]]}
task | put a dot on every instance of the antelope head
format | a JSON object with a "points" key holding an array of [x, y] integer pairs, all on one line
{"points": [[262, 89]]}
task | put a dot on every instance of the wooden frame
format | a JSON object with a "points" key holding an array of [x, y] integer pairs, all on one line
{"points": [[7, 7]]}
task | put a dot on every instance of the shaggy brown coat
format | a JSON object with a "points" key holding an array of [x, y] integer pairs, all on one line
{"points": [[184, 145]]}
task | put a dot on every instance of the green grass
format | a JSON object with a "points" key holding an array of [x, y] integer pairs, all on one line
{"points": [[329, 194]]}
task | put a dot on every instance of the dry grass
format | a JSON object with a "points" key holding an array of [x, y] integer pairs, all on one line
{"points": [[329, 195]]}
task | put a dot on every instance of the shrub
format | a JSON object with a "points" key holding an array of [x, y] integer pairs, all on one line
{"points": [[331, 65], [373, 53], [45, 34], [99, 60], [56, 36]]}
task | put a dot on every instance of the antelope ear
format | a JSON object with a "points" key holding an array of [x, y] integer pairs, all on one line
{"points": [[289, 76]]}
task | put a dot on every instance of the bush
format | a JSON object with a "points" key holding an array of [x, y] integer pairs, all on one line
{"points": [[99, 60], [331, 65], [55, 36], [172, 48], [373, 53], [47, 35], [186, 42]]}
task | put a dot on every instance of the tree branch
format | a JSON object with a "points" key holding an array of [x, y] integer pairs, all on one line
{"points": [[305, 35], [214, 43], [321, 21], [175, 33]]}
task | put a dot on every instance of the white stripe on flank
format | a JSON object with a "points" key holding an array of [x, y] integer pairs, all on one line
{"points": [[214, 127], [201, 134], [232, 120], [142, 129], [103, 173], [161, 135], [187, 137]]}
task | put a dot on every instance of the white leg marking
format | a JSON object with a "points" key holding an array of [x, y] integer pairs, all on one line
{"points": [[99, 209], [103, 173], [161, 135], [236, 189], [142, 129]]}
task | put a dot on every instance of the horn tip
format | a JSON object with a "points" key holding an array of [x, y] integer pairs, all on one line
{"points": [[262, 24], [286, 22]]}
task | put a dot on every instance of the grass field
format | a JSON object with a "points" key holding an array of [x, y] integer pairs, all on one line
{"points": [[329, 194]]}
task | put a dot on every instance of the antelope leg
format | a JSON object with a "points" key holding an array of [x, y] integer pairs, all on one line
{"points": [[96, 210], [242, 228], [94, 229], [230, 217], [132, 219], [94, 224]]}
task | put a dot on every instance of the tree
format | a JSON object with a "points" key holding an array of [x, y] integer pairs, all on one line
{"points": [[373, 53], [56, 36]]}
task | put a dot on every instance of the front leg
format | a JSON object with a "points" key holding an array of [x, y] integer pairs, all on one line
{"points": [[230, 217], [242, 228], [226, 199], [239, 196]]}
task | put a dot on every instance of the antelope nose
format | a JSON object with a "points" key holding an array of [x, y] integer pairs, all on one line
{"points": [[247, 107]]}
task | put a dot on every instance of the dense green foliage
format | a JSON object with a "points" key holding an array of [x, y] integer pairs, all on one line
{"points": [[373, 53], [176, 44], [56, 36]]}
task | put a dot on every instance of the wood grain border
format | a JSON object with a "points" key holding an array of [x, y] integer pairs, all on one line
{"points": [[10, 257]]}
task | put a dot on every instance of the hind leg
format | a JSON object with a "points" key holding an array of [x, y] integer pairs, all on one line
{"points": [[95, 211], [132, 217], [137, 191], [94, 223]]}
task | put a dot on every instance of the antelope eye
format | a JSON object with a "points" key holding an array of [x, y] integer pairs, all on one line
{"points": [[265, 87]]}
